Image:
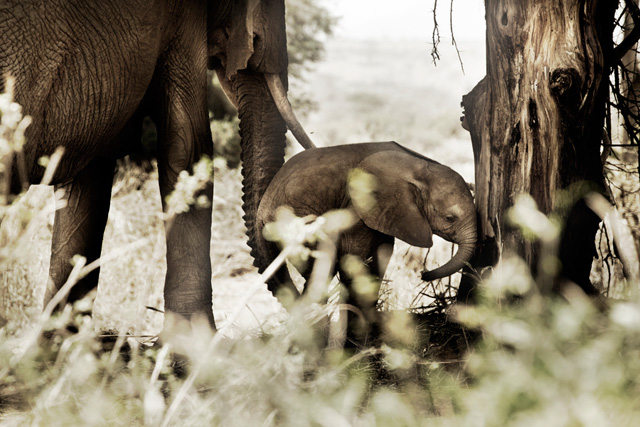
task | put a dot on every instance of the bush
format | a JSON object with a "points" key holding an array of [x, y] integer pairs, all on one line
{"points": [[549, 361]]}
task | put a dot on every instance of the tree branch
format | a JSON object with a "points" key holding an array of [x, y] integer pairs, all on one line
{"points": [[453, 38], [633, 37], [435, 36]]}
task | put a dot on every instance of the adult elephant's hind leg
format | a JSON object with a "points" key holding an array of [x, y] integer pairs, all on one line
{"points": [[78, 228]]}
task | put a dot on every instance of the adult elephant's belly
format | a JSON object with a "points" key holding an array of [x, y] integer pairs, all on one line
{"points": [[80, 83], [83, 110]]}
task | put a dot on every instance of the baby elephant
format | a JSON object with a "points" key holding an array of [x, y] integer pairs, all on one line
{"points": [[413, 198]]}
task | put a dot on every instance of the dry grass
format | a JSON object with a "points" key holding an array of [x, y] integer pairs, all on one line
{"points": [[364, 92], [538, 359], [133, 280]]}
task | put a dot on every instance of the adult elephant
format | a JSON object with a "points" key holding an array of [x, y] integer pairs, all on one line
{"points": [[89, 71]]}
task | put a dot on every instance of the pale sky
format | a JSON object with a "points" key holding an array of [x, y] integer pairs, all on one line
{"points": [[407, 19]]}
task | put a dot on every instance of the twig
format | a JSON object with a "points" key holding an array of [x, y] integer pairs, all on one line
{"points": [[622, 237], [125, 336], [162, 354], [625, 45], [453, 38], [54, 161], [435, 36], [605, 257]]}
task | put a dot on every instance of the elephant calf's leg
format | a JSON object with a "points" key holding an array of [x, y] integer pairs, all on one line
{"points": [[362, 314], [363, 318], [79, 224], [282, 287]]}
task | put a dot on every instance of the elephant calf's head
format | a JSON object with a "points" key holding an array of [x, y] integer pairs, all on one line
{"points": [[415, 198]]}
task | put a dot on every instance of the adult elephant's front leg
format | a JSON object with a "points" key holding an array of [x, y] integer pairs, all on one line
{"points": [[187, 290], [79, 224], [184, 137]]}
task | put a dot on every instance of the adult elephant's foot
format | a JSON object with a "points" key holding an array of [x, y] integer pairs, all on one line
{"points": [[188, 292]]}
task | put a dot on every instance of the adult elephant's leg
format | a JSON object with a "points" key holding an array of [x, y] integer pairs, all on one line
{"points": [[187, 290], [184, 137], [79, 223]]}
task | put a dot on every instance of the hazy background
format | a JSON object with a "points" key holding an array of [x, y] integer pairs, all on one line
{"points": [[406, 19], [379, 82]]}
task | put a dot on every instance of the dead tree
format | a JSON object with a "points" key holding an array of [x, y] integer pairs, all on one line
{"points": [[536, 122]]}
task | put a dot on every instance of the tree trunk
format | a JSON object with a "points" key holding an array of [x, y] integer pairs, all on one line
{"points": [[536, 123]]}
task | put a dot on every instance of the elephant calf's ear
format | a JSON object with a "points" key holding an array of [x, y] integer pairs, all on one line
{"points": [[386, 201]]}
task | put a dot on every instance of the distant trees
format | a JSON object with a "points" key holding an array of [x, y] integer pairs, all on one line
{"points": [[540, 120]]}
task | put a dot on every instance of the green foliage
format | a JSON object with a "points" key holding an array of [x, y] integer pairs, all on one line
{"points": [[308, 23], [548, 361], [12, 124], [188, 186], [195, 378], [540, 360], [544, 359]]}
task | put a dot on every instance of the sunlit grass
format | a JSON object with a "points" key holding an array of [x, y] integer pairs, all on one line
{"points": [[538, 360]]}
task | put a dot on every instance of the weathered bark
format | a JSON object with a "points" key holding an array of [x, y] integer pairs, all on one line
{"points": [[536, 123]]}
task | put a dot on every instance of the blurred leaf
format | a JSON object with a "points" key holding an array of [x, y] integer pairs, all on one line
{"points": [[362, 186]]}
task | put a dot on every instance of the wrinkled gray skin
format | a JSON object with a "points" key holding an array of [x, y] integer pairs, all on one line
{"points": [[415, 197], [88, 71]]}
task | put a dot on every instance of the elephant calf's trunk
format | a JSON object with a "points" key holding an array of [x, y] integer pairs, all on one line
{"points": [[465, 251], [279, 95]]}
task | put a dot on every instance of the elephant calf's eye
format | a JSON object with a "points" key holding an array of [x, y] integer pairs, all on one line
{"points": [[450, 218]]}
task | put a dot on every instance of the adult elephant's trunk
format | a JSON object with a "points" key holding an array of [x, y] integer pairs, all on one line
{"points": [[262, 131], [279, 94], [466, 247]]}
